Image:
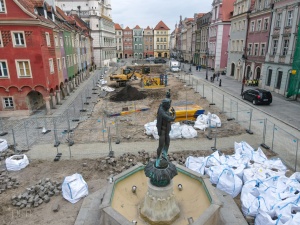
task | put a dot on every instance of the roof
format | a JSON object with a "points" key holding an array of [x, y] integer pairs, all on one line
{"points": [[118, 27], [161, 26], [137, 27], [227, 8], [148, 28], [127, 28]]}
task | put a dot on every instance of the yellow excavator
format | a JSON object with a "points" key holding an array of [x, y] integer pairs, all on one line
{"points": [[127, 74]]}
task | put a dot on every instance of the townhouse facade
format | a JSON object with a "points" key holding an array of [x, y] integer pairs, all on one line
{"points": [[148, 42], [257, 39], [119, 41], [138, 45], [238, 39], [203, 33], [128, 42], [161, 40], [219, 30], [35, 40], [281, 46], [97, 15]]}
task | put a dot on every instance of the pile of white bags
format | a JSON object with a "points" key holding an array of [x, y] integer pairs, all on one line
{"points": [[74, 188], [16, 162], [177, 130], [107, 89], [266, 193], [203, 121], [3, 145]]}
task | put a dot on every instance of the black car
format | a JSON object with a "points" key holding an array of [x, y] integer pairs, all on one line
{"points": [[258, 96], [156, 61]]}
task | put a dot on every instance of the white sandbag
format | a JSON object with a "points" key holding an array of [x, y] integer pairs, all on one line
{"points": [[16, 162], [74, 188], [194, 163], [175, 131], [214, 172], [215, 121], [149, 127], [259, 156], [213, 159], [263, 218], [229, 183], [3, 145], [201, 122], [243, 149], [188, 131], [294, 220], [275, 164]]}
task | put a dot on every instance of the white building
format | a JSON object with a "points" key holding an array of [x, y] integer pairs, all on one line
{"points": [[97, 14]]}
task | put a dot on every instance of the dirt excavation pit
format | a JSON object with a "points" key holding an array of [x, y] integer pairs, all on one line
{"points": [[128, 93]]}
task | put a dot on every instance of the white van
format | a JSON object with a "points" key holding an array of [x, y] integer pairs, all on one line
{"points": [[174, 66]]}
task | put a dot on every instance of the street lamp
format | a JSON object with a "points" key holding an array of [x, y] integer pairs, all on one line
{"points": [[191, 49], [244, 57], [207, 55]]}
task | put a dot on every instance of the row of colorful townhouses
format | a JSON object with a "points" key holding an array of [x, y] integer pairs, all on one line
{"points": [[143, 43], [246, 39], [44, 55]]}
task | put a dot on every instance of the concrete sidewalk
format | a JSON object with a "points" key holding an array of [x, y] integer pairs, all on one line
{"points": [[95, 150]]}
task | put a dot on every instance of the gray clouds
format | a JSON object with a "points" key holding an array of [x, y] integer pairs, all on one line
{"points": [[149, 12]]}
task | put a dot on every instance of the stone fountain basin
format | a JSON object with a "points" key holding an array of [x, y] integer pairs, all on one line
{"points": [[198, 200]]}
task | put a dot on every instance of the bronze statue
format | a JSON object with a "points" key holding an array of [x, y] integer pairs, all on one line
{"points": [[164, 119]]}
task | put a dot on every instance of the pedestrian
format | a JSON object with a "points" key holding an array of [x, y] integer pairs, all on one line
{"points": [[161, 79], [218, 74], [166, 80]]}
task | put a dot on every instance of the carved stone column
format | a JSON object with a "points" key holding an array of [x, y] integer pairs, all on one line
{"points": [[58, 97], [47, 101]]}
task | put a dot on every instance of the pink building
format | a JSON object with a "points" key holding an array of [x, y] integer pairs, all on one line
{"points": [[257, 38], [219, 34]]}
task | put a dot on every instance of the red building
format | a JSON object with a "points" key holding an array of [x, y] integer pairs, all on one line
{"points": [[27, 57], [127, 35]]}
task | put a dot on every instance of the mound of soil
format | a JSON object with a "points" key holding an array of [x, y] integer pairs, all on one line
{"points": [[128, 93]]}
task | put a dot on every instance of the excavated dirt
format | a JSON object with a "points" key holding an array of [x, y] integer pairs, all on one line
{"points": [[128, 93]]}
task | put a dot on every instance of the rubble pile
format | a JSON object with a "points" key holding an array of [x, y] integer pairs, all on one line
{"points": [[7, 182], [127, 160], [5, 154], [37, 194]]}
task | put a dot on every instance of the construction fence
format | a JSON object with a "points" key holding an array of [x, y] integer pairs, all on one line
{"points": [[68, 129]]}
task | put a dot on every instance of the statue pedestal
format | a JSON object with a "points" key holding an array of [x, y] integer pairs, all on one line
{"points": [[159, 205]]}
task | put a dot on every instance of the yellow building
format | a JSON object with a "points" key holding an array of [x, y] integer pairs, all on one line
{"points": [[161, 40]]}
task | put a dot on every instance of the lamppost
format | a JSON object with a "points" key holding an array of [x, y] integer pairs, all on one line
{"points": [[244, 57], [207, 55], [191, 48]]}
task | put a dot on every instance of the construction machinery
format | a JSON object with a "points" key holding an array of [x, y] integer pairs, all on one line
{"points": [[126, 75]]}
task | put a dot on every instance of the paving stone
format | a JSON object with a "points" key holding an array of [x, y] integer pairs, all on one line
{"points": [[55, 207]]}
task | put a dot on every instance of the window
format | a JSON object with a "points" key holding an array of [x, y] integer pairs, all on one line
{"points": [[244, 24], [278, 81], [8, 102], [18, 39], [268, 81], [74, 59], [266, 3], [1, 42], [3, 69], [64, 62], [278, 20], [285, 46], [240, 25], [58, 64], [165, 47], [157, 46], [2, 6], [259, 4], [258, 27], [252, 26], [67, 61], [165, 39], [256, 49], [157, 39], [56, 41], [262, 49], [275, 45], [47, 39], [249, 49], [289, 18], [61, 42], [266, 23], [51, 66], [23, 68]]}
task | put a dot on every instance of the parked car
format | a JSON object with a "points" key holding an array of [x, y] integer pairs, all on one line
{"points": [[258, 96], [159, 60], [149, 59]]}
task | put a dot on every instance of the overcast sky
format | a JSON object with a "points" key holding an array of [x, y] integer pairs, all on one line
{"points": [[149, 12]]}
